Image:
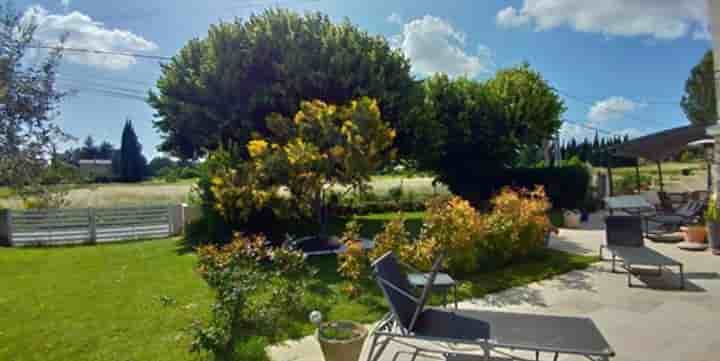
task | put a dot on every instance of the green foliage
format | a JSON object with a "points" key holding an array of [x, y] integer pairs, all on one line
{"points": [[465, 128], [30, 101], [221, 89], [712, 214], [131, 161], [699, 102], [628, 184]]}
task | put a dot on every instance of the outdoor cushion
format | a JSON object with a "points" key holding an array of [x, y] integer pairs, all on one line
{"points": [[515, 330], [642, 256]]}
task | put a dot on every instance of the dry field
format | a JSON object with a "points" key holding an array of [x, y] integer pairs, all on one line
{"points": [[119, 195]]}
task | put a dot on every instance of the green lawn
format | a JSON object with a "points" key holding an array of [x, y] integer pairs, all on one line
{"points": [[134, 301]]}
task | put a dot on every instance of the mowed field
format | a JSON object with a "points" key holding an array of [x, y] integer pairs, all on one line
{"points": [[154, 193]]}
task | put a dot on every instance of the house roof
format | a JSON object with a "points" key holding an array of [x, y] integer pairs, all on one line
{"points": [[662, 145], [95, 162]]}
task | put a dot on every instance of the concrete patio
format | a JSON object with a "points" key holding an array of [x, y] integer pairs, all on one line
{"points": [[649, 322]]}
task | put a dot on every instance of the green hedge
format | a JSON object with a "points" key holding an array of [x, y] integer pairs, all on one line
{"points": [[567, 187]]}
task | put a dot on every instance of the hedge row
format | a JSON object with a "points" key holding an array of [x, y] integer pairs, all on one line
{"points": [[567, 187]]}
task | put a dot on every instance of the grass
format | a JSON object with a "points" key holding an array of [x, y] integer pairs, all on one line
{"points": [[113, 302], [134, 301]]}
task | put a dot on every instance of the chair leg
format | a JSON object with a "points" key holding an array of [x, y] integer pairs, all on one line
{"points": [[682, 277], [373, 342], [613, 263]]}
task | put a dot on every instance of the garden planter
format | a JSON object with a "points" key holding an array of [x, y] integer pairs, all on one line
{"points": [[713, 235], [695, 234], [341, 340], [572, 219]]}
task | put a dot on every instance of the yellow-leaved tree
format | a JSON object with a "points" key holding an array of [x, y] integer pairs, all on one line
{"points": [[323, 146]]}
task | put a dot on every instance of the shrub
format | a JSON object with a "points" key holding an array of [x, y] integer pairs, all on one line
{"points": [[454, 228], [514, 229], [353, 264], [256, 287]]}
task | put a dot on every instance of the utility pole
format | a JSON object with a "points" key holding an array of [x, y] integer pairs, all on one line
{"points": [[714, 130]]}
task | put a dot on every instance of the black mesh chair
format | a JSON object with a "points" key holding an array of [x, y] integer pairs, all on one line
{"points": [[625, 242], [410, 319]]}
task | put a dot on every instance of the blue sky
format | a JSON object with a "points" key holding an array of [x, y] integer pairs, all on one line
{"points": [[620, 64]]}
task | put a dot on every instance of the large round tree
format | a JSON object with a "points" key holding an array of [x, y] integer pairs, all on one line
{"points": [[221, 88]]}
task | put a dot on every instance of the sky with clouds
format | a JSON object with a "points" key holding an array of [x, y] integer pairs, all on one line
{"points": [[620, 65]]}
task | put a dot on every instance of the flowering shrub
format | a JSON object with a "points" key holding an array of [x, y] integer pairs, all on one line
{"points": [[469, 240], [516, 226], [256, 287], [453, 228]]}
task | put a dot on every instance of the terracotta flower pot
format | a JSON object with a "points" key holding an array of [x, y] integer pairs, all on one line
{"points": [[572, 219], [346, 348], [695, 234]]}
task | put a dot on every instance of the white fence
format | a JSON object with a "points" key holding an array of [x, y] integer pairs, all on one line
{"points": [[77, 226]]}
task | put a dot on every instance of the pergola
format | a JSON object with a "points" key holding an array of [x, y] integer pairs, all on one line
{"points": [[658, 147]]}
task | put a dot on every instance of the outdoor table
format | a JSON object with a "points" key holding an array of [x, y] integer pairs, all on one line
{"points": [[633, 205], [443, 282]]}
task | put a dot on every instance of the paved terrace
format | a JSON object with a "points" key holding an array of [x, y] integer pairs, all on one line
{"points": [[641, 323]]}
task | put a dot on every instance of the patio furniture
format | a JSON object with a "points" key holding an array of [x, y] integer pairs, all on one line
{"points": [[409, 320], [624, 240], [634, 205], [443, 282], [690, 212]]}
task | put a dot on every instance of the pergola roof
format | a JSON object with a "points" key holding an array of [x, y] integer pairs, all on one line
{"points": [[660, 146]]}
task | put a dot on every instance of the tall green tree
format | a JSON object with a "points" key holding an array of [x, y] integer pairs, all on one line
{"points": [[698, 102], [131, 161], [465, 127], [221, 88]]}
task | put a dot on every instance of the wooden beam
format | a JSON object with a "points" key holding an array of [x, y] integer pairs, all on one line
{"points": [[637, 176], [659, 167], [610, 178]]}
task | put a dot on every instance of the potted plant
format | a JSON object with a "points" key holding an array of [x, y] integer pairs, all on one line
{"points": [[712, 220], [339, 340], [695, 233], [572, 219]]}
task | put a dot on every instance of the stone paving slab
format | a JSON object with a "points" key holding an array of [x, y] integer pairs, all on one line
{"points": [[641, 323]]}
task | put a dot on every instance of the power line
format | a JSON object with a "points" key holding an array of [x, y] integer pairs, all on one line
{"points": [[101, 52]]}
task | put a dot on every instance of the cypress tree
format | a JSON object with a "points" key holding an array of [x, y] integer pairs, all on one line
{"points": [[132, 163]]}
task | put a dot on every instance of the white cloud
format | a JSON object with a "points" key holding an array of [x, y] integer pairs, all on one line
{"points": [[434, 46], [395, 18], [83, 32], [511, 17], [612, 108], [65, 4], [660, 19]]}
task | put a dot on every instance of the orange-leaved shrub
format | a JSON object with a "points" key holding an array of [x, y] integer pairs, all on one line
{"points": [[516, 226], [353, 263], [512, 230]]}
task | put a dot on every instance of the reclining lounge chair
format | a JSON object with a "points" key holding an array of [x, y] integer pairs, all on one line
{"points": [[489, 330], [625, 241]]}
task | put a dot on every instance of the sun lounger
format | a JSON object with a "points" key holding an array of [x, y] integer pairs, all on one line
{"points": [[625, 242], [488, 330]]}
